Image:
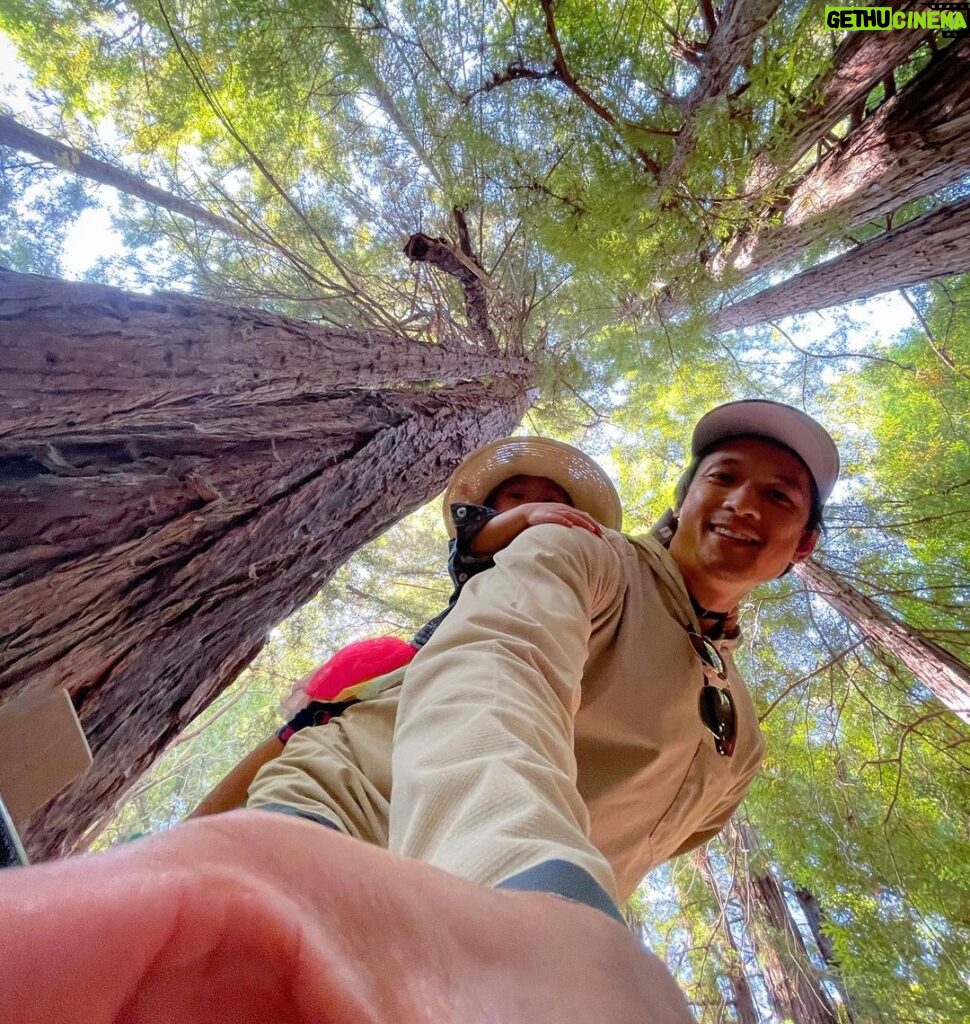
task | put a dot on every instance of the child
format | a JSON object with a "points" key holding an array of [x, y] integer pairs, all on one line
{"points": [[496, 493]]}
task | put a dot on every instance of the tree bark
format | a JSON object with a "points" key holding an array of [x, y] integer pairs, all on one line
{"points": [[67, 158], [816, 923], [935, 667], [934, 245], [742, 998], [915, 144], [93, 358], [178, 478], [861, 61], [421, 248], [728, 47], [793, 986]]}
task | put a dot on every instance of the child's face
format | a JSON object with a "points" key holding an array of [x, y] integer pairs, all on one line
{"points": [[520, 490]]}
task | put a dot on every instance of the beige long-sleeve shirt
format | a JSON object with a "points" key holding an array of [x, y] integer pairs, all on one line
{"points": [[555, 714], [648, 770]]}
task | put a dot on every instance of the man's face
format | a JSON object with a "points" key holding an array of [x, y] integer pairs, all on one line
{"points": [[744, 515]]}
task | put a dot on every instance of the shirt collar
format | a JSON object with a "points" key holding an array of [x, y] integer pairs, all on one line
{"points": [[669, 571]]}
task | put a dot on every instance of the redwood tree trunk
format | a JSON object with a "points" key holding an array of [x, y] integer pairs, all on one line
{"points": [[178, 477], [729, 46], [816, 923], [861, 61], [742, 998], [915, 144], [794, 988], [67, 158], [82, 358], [934, 245], [935, 667]]}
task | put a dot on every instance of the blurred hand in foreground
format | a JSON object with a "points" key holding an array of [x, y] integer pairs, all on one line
{"points": [[256, 917]]}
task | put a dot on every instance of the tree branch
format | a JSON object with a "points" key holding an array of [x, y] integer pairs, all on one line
{"points": [[707, 12], [444, 255], [565, 76], [514, 72]]}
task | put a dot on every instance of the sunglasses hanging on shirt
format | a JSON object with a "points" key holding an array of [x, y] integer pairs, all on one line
{"points": [[715, 703]]}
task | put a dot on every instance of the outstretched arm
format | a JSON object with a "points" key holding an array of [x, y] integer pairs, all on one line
{"points": [[502, 529]]}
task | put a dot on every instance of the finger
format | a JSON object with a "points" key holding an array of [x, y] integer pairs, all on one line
{"points": [[586, 521], [159, 929], [553, 519]]}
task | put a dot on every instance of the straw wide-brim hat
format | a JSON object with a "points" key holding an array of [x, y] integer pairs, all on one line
{"points": [[575, 472]]}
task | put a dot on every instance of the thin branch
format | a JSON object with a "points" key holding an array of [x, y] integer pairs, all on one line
{"points": [[811, 675], [570, 82], [898, 759], [515, 71], [907, 367], [929, 335], [352, 288]]}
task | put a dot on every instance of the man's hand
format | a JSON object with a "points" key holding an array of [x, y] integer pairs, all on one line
{"points": [[502, 529], [253, 917]]}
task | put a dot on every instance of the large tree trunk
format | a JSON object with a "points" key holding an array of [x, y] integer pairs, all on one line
{"points": [[916, 143], [179, 477], [793, 986], [861, 61], [67, 158], [816, 923], [935, 667], [92, 358], [729, 46], [934, 245], [742, 998]]}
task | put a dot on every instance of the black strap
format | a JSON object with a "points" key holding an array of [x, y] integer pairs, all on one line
{"points": [[719, 618], [11, 850], [706, 613], [317, 712]]}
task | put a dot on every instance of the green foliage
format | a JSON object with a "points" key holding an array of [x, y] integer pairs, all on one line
{"points": [[921, 425], [863, 801], [339, 129]]}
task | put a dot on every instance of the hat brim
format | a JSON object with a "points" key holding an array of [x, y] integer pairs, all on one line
{"points": [[760, 417], [575, 472]]}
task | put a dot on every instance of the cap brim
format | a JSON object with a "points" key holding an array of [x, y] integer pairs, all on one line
{"points": [[777, 422]]}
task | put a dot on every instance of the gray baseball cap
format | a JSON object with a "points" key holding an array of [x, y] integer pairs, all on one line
{"points": [[760, 417]]}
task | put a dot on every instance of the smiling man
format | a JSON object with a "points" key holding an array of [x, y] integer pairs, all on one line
{"points": [[574, 722], [580, 716], [745, 518], [750, 503]]}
